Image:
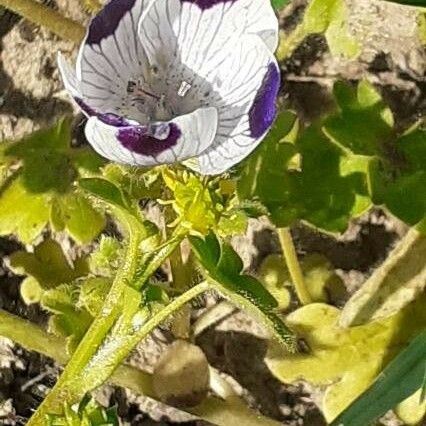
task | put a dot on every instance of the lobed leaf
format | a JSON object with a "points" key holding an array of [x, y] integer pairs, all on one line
{"points": [[41, 190], [347, 361], [48, 265]]}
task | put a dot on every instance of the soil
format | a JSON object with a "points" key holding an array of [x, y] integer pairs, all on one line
{"points": [[32, 96]]}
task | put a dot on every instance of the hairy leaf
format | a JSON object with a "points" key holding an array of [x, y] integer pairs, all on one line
{"points": [[367, 348], [398, 381], [223, 267], [48, 265], [42, 187], [77, 215]]}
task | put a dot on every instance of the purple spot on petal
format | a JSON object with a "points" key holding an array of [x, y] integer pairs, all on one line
{"points": [[263, 111], [140, 140], [107, 20], [207, 4]]}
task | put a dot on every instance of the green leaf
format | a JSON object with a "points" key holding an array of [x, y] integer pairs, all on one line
{"points": [[76, 214], [48, 265], [106, 191], [226, 268], [339, 39], [92, 294], [68, 320], [88, 413], [48, 167], [400, 182], [223, 267], [364, 123], [107, 257], [284, 175], [22, 213], [267, 163], [368, 348], [338, 166], [279, 4], [45, 163], [398, 381], [136, 181]]}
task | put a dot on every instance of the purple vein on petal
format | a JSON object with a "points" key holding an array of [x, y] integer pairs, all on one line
{"points": [[107, 118], [107, 20]]}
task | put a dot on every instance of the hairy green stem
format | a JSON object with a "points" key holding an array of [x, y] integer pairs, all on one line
{"points": [[269, 320], [213, 410], [46, 17], [34, 338], [157, 258], [67, 388], [293, 265]]}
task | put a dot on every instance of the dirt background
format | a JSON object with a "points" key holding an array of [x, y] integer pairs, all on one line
{"points": [[32, 96]]}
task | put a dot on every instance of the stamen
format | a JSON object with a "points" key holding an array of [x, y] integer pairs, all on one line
{"points": [[133, 88], [145, 92], [183, 89]]}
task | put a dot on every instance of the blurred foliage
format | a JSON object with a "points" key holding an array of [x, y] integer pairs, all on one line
{"points": [[336, 168], [327, 17], [88, 413], [399, 382], [321, 280], [40, 190]]}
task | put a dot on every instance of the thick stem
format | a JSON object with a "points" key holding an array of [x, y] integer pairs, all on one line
{"points": [[293, 266], [67, 389], [46, 17], [213, 410], [34, 338]]}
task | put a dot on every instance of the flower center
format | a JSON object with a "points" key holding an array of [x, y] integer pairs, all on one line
{"points": [[155, 101]]}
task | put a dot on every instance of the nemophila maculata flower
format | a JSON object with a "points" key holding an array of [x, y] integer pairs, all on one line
{"points": [[163, 81]]}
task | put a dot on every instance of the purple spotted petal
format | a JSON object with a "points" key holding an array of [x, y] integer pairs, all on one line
{"points": [[139, 139], [263, 111], [107, 20], [107, 118], [84, 107]]}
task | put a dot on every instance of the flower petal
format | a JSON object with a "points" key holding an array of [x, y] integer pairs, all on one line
{"points": [[111, 54], [260, 18], [183, 137], [246, 107], [69, 78], [198, 33]]}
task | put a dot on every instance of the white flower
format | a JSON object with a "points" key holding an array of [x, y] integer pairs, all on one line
{"points": [[164, 81]]}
